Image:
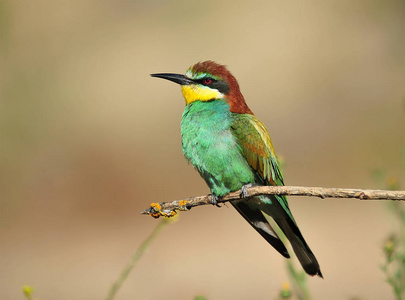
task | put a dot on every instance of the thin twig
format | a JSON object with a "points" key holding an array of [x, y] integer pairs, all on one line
{"points": [[168, 209], [138, 254]]}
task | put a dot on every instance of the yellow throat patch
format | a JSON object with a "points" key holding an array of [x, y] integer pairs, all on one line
{"points": [[195, 92]]}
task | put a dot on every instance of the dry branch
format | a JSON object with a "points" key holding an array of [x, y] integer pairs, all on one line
{"points": [[168, 209]]}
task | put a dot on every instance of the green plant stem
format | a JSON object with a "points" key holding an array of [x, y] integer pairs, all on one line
{"points": [[138, 254], [299, 282], [394, 266]]}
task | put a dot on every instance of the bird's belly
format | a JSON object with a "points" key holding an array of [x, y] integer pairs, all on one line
{"points": [[218, 159]]}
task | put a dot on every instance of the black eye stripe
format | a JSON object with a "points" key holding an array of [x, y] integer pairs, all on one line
{"points": [[221, 86]]}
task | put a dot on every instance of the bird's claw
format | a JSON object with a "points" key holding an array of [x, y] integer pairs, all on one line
{"points": [[244, 193], [214, 200]]}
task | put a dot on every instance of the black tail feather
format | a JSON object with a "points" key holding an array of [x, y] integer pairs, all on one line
{"points": [[301, 248], [256, 218]]}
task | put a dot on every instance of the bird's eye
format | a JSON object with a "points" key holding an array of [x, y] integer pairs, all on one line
{"points": [[207, 80]]}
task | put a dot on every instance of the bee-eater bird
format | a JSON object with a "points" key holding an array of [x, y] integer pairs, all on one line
{"points": [[232, 150]]}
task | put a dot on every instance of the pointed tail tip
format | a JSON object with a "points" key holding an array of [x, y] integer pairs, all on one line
{"points": [[313, 270], [316, 273]]}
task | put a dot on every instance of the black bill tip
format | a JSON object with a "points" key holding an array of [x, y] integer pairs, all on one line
{"points": [[177, 78]]}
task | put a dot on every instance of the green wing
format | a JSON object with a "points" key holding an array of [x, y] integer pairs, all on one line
{"points": [[255, 142]]}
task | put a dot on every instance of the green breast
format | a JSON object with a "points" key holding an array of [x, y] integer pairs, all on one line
{"points": [[210, 146]]}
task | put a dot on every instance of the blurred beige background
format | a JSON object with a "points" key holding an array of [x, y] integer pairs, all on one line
{"points": [[88, 140]]}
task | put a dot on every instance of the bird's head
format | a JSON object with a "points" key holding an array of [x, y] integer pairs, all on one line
{"points": [[208, 81]]}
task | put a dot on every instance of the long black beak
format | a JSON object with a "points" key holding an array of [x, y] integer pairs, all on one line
{"points": [[177, 78]]}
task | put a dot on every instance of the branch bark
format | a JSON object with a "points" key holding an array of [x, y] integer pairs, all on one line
{"points": [[168, 209]]}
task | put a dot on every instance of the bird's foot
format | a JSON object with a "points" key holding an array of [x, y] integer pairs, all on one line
{"points": [[244, 193], [214, 200]]}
